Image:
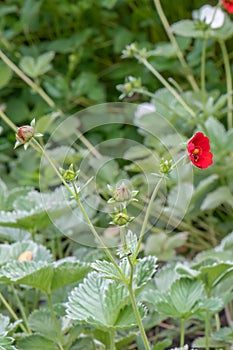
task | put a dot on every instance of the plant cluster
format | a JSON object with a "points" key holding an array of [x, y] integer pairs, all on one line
{"points": [[119, 234]]}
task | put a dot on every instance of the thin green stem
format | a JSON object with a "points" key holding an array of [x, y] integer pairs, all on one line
{"points": [[7, 120], [207, 329], [41, 150], [146, 218], [217, 321], [136, 311], [163, 81], [13, 314], [27, 80], [55, 322], [182, 332], [99, 240], [203, 63], [76, 197], [45, 97], [111, 343], [228, 82], [123, 237], [35, 144], [172, 38], [144, 92], [21, 308]]}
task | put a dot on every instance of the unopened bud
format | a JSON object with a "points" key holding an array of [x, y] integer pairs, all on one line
{"points": [[69, 175], [165, 166], [121, 219], [122, 193], [24, 133]]}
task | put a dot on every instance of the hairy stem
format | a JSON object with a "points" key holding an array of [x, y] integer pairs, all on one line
{"points": [[55, 322], [46, 98], [203, 62], [27, 80], [228, 82], [13, 314], [146, 218], [163, 81], [172, 38], [21, 308], [207, 329], [111, 343], [182, 332], [135, 307]]}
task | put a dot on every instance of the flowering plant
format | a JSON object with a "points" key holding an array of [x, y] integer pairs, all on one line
{"points": [[153, 247]]}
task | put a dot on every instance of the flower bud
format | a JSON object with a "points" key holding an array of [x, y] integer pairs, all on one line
{"points": [[69, 175], [165, 166], [121, 219], [122, 193], [24, 133]]}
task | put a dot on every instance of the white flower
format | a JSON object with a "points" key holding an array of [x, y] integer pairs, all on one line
{"points": [[144, 108], [210, 15]]}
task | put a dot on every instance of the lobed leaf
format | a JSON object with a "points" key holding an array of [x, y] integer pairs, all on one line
{"points": [[101, 303]]}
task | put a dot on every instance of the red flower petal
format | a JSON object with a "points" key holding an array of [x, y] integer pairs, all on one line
{"points": [[228, 4], [199, 151]]}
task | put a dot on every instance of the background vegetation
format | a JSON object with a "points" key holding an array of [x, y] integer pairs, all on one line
{"points": [[71, 51]]}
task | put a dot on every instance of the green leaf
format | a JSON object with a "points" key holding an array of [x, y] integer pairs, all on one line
{"points": [[181, 300], [107, 269], [185, 293], [143, 270], [5, 74], [6, 343], [13, 251], [178, 200], [17, 110], [204, 185], [131, 241], [225, 32], [163, 246], [217, 134], [226, 243], [212, 275], [200, 342], [36, 342], [35, 274], [36, 67], [11, 234], [163, 49], [5, 10], [101, 303], [68, 271], [42, 275], [213, 304], [224, 334], [3, 194], [69, 44], [36, 209], [187, 28], [214, 199], [4, 322], [109, 4], [40, 322]]}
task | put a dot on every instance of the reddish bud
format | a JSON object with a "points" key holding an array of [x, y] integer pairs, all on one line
{"points": [[24, 133]]}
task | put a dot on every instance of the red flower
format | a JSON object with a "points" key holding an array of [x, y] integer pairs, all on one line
{"points": [[228, 4], [199, 151]]}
